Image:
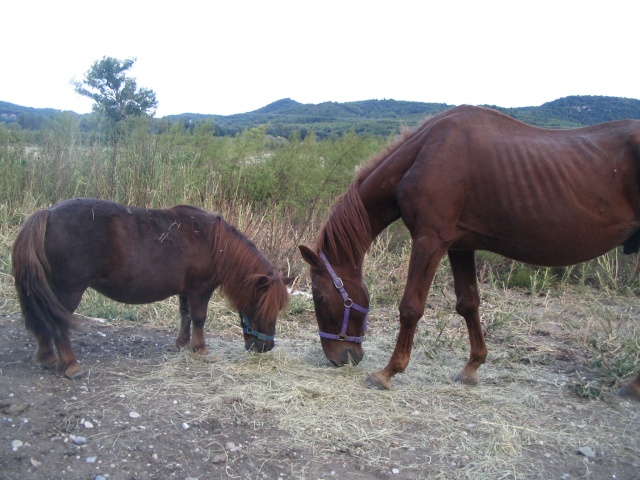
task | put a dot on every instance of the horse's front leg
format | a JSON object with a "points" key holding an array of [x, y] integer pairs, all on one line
{"points": [[423, 264], [184, 335], [463, 266], [198, 314]]}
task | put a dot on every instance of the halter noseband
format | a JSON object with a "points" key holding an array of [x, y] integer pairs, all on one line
{"points": [[246, 328], [348, 305]]}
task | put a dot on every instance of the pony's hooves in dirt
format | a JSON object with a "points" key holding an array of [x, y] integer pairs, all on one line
{"points": [[207, 357], [377, 381], [73, 372], [628, 393], [466, 379], [46, 363]]}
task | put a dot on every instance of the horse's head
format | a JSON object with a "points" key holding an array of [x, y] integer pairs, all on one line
{"points": [[341, 303], [259, 320]]}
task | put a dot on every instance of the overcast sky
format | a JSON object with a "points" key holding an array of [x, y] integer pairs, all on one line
{"points": [[235, 56]]}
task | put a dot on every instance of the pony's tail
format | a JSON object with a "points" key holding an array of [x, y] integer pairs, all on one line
{"points": [[43, 313]]}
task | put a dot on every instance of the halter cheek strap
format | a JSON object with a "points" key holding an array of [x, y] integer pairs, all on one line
{"points": [[246, 328], [348, 305]]}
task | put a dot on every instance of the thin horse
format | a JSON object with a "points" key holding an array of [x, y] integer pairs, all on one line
{"points": [[472, 179], [139, 255]]}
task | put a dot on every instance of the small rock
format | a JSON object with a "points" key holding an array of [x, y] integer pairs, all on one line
{"points": [[100, 477], [78, 440], [88, 424], [219, 458], [395, 471], [587, 452], [16, 444], [91, 459], [185, 426], [134, 415]]}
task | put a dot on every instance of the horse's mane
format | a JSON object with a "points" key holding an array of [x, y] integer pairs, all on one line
{"points": [[348, 224], [240, 266]]}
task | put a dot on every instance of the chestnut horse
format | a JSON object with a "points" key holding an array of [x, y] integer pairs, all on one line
{"points": [[472, 179], [139, 255]]}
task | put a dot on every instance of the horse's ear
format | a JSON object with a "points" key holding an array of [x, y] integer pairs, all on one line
{"points": [[310, 257], [263, 281]]}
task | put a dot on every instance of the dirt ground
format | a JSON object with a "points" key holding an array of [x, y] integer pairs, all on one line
{"points": [[125, 420]]}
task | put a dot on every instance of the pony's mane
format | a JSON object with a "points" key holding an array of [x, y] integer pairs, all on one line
{"points": [[239, 267]]}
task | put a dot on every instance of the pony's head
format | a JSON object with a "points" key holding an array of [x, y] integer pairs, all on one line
{"points": [[341, 302], [258, 318]]}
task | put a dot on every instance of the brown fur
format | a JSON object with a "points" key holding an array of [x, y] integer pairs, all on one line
{"points": [[135, 255], [473, 179]]}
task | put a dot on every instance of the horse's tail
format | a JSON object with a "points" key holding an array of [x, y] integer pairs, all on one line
{"points": [[43, 313]]}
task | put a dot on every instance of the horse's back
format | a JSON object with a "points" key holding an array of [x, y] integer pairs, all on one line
{"points": [[537, 195]]}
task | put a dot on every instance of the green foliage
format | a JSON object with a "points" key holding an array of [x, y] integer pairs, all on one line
{"points": [[115, 94]]}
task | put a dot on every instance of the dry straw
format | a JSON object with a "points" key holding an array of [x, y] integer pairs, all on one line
{"points": [[517, 423]]}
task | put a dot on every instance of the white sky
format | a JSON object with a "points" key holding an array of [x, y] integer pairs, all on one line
{"points": [[235, 56]]}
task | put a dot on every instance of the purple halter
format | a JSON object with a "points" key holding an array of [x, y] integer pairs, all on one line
{"points": [[348, 305]]}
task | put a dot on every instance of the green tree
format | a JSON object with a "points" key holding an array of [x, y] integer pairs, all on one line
{"points": [[118, 97], [115, 94]]}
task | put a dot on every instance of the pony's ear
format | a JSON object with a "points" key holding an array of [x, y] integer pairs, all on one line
{"points": [[263, 281], [311, 257]]}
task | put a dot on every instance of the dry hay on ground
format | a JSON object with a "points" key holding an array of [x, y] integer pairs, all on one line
{"points": [[521, 422]]}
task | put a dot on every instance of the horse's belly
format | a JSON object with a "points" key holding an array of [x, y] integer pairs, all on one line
{"points": [[558, 248], [135, 293]]}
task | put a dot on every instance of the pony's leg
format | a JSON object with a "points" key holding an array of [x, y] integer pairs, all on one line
{"points": [[198, 314], [67, 361], [426, 253], [463, 266], [631, 390], [184, 335], [45, 355]]}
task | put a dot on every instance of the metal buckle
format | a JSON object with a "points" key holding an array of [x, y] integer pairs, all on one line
{"points": [[342, 337], [337, 282], [348, 303]]}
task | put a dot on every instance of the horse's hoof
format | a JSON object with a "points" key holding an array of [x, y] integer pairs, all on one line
{"points": [[378, 381], [629, 393], [73, 371], [466, 378], [48, 362]]}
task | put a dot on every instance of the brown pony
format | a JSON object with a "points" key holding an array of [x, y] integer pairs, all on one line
{"points": [[139, 255], [474, 179]]}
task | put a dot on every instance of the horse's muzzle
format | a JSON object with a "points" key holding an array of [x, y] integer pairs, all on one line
{"points": [[260, 346]]}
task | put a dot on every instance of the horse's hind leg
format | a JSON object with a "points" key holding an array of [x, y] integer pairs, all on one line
{"points": [[184, 335], [463, 266], [45, 355], [67, 361]]}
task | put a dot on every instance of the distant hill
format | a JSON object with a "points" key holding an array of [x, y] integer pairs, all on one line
{"points": [[380, 117]]}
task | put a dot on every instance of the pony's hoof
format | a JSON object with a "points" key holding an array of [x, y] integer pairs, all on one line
{"points": [[628, 392], [48, 362], [207, 357], [378, 381], [73, 371], [466, 378]]}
